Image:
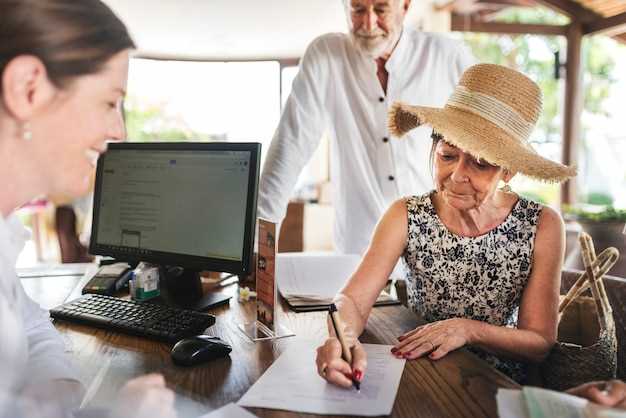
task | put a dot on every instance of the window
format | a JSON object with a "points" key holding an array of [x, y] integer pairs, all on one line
{"points": [[203, 101]]}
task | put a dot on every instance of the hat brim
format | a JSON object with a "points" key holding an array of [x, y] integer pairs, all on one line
{"points": [[480, 138]]}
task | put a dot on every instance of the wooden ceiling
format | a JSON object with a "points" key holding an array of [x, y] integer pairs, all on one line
{"points": [[605, 8], [596, 16]]}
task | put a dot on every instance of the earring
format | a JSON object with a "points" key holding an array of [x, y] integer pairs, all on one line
{"points": [[506, 188], [27, 134]]}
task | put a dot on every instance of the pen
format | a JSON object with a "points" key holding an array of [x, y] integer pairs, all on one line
{"points": [[346, 354]]}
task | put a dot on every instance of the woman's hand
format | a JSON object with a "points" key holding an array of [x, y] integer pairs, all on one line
{"points": [[145, 397], [437, 338], [334, 369], [610, 393]]}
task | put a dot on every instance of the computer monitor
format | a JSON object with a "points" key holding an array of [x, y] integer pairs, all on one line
{"points": [[185, 206]]}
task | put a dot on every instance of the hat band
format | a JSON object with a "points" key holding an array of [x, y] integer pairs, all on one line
{"points": [[492, 109]]}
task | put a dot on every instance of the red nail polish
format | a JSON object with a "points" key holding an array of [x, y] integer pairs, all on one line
{"points": [[358, 375]]}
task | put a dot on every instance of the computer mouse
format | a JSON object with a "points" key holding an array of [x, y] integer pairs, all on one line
{"points": [[199, 349]]}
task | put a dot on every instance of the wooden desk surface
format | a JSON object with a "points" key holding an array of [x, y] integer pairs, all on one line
{"points": [[459, 385]]}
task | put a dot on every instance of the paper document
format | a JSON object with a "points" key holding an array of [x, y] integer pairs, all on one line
{"points": [[532, 402], [511, 403], [543, 403], [292, 384], [310, 281], [49, 270], [314, 275], [229, 411]]}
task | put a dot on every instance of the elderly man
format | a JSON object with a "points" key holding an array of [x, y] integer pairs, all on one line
{"points": [[344, 88]]}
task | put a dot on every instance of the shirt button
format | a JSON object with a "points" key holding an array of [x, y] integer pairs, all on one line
{"points": [[381, 99], [385, 139], [391, 178]]}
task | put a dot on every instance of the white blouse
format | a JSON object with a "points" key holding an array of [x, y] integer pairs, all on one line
{"points": [[30, 348], [338, 92]]}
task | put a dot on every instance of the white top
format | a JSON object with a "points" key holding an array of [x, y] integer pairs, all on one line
{"points": [[30, 348], [337, 91]]}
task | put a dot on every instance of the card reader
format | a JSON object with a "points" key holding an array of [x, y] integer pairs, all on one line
{"points": [[109, 279]]}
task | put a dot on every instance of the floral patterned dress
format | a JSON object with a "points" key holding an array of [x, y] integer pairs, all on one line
{"points": [[480, 278]]}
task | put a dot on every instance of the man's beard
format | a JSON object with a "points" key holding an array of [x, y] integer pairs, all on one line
{"points": [[373, 44]]}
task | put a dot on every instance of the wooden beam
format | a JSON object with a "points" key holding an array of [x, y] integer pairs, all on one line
{"points": [[572, 9], [463, 23], [620, 38], [616, 24], [572, 108]]}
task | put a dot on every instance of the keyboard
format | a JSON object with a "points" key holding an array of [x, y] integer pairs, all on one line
{"points": [[136, 318]]}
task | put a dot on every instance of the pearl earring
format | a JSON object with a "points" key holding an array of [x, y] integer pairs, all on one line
{"points": [[27, 134]]}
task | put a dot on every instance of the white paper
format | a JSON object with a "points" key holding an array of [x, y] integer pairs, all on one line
{"points": [[543, 403], [314, 275], [292, 384], [511, 403], [50, 270], [229, 411]]}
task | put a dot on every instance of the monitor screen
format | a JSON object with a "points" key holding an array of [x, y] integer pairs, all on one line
{"points": [[187, 204]]}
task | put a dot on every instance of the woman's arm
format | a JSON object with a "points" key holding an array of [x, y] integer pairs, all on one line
{"points": [[356, 299], [53, 380], [537, 322], [538, 315]]}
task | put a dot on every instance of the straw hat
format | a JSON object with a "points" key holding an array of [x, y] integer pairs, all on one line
{"points": [[490, 115]]}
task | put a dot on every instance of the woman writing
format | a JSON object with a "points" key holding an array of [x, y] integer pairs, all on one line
{"points": [[484, 263]]}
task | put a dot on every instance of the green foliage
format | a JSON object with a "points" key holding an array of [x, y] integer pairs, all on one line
{"points": [[536, 15], [599, 67], [544, 193], [604, 214], [151, 124], [598, 198]]}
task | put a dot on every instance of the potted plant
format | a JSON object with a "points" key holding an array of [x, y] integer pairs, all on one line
{"points": [[605, 224]]}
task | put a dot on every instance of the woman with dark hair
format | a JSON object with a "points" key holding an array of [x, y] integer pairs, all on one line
{"points": [[63, 73]]}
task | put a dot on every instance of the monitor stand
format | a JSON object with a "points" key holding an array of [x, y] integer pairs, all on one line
{"points": [[182, 288]]}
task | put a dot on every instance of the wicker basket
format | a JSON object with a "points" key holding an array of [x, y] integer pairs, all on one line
{"points": [[587, 345]]}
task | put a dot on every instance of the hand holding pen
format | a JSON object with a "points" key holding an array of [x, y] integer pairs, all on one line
{"points": [[341, 360]]}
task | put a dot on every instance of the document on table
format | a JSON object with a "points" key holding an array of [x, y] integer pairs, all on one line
{"points": [[55, 269], [292, 384], [314, 275], [230, 410]]}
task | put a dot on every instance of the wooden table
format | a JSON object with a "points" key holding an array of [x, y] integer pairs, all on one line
{"points": [[459, 385]]}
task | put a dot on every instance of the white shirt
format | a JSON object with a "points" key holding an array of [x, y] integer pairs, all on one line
{"points": [[30, 348], [338, 92]]}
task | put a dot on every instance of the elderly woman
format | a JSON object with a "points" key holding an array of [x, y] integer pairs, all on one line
{"points": [[484, 263], [63, 72]]}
